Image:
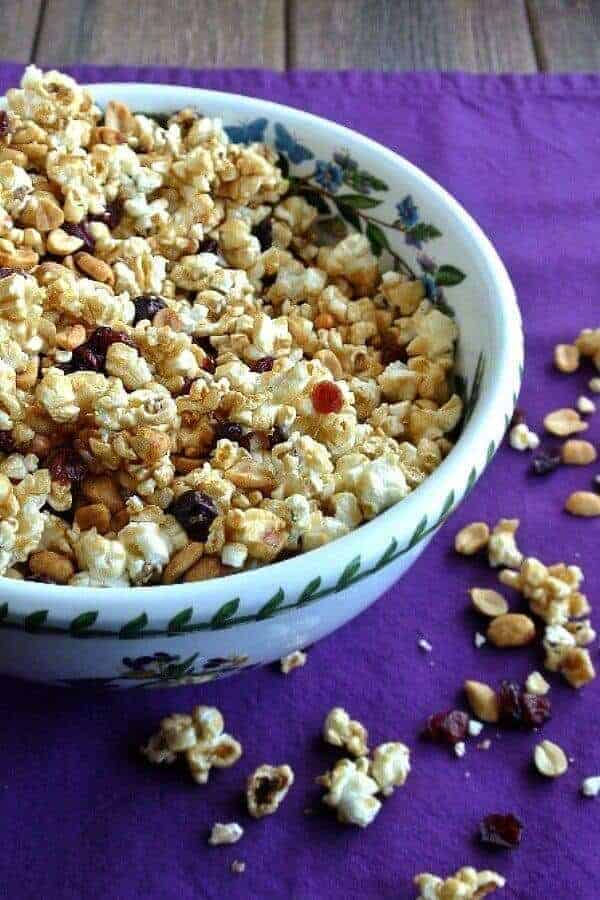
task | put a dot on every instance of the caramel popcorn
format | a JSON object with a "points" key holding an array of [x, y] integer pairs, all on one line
{"points": [[466, 884], [351, 791], [266, 787], [342, 731], [174, 328], [198, 737]]}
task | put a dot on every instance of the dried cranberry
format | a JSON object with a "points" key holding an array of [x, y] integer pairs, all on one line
{"points": [[448, 727], [187, 384], [101, 338], [268, 280], [204, 342], [509, 704], [79, 230], [545, 461], [536, 709], [84, 357], [209, 364], [66, 465], [265, 364], [230, 431], [391, 351], [111, 215], [276, 436], [4, 124], [501, 830], [264, 232], [146, 307], [5, 271], [7, 442], [195, 512], [327, 397], [208, 245]]}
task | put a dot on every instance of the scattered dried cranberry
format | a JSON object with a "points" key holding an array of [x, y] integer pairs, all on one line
{"points": [[79, 230], [101, 338], [264, 232], [448, 727], [7, 442], [265, 364], [230, 431], [509, 704], [4, 125], [146, 307], [66, 465], [208, 245], [111, 215], [195, 511], [327, 397], [545, 461], [390, 350], [536, 709], [501, 830]]}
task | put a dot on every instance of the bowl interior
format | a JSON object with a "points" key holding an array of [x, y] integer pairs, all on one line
{"points": [[414, 225]]}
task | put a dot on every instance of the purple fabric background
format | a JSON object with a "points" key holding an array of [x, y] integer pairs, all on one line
{"points": [[82, 816]]}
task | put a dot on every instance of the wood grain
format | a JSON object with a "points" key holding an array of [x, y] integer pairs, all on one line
{"points": [[19, 26], [411, 34], [566, 34], [198, 33]]}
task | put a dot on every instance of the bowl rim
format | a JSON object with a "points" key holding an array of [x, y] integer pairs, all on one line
{"points": [[498, 397]]}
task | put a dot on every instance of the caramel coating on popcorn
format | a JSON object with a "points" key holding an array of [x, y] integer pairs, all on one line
{"points": [[169, 314]]}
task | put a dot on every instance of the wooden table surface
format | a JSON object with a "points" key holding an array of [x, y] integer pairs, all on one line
{"points": [[476, 35]]}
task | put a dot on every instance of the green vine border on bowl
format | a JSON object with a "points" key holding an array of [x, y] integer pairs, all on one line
{"points": [[321, 188]]}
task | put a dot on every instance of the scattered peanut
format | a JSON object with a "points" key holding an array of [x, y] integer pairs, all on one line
{"points": [[594, 385], [488, 602], [585, 406], [564, 422], [578, 453], [583, 503], [566, 358], [482, 700], [511, 630], [550, 759], [472, 538]]}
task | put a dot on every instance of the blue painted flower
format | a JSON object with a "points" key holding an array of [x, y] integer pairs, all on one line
{"points": [[431, 288], [408, 212], [427, 263], [328, 175], [345, 161]]}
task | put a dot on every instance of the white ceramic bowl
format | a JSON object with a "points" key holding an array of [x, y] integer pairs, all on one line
{"points": [[196, 632]]}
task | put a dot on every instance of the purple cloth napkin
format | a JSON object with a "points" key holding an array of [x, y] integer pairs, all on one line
{"points": [[83, 817]]}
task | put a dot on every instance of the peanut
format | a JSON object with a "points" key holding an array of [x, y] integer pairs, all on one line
{"points": [[181, 562], [102, 489], [324, 320], [511, 630], [550, 759], [578, 453], [62, 244], [71, 337], [96, 268], [54, 566], [488, 602], [564, 422], [150, 444], [94, 515], [17, 257], [566, 358], [482, 700], [583, 503], [104, 135], [206, 567], [472, 538], [184, 464]]}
